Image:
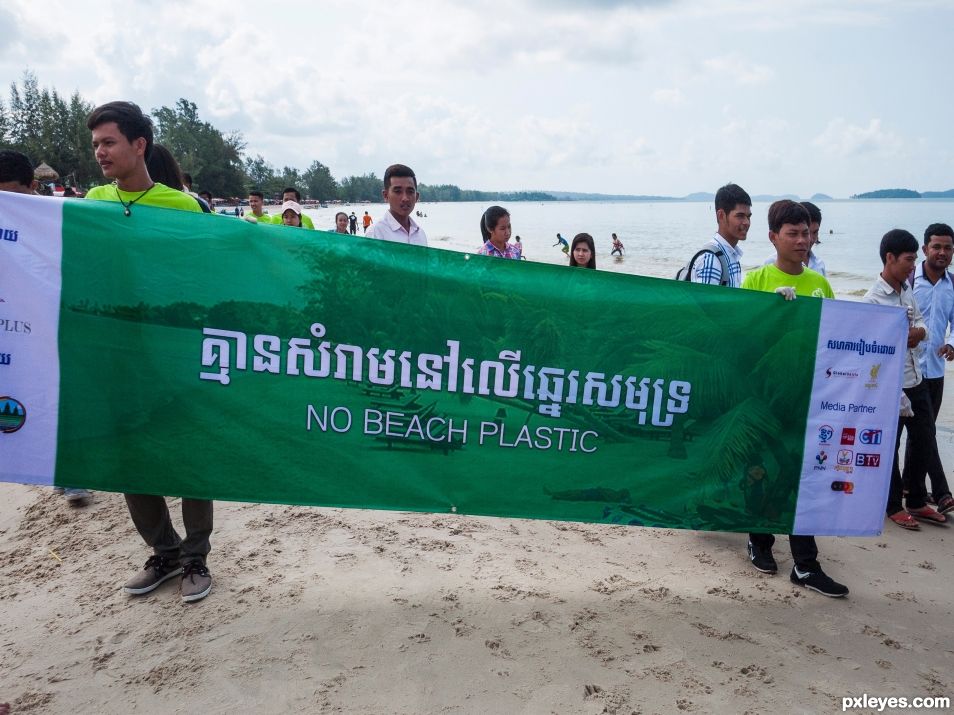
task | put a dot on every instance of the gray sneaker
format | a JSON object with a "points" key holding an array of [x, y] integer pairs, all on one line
{"points": [[78, 497], [196, 582], [157, 570]]}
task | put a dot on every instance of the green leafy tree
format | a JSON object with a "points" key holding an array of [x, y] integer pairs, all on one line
{"points": [[319, 183], [361, 188]]}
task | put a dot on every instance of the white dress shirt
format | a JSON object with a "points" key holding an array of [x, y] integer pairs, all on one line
{"points": [[388, 229], [881, 293]]}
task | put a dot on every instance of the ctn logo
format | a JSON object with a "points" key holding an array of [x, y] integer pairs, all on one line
{"points": [[867, 460], [12, 415], [825, 433], [848, 435], [870, 436]]}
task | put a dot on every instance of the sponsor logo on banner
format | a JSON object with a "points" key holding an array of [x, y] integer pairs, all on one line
{"points": [[850, 373], [873, 376], [5, 359], [9, 234], [845, 459], [863, 459], [870, 436], [821, 458], [9, 325], [12, 415], [825, 433], [861, 346], [846, 487], [848, 435]]}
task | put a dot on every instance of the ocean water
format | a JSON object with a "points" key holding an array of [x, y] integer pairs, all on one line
{"points": [[660, 237]]}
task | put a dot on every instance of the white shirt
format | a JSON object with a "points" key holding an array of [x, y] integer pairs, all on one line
{"points": [[708, 268], [881, 293], [936, 301], [388, 229]]}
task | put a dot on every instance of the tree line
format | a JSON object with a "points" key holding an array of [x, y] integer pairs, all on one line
{"points": [[47, 127]]}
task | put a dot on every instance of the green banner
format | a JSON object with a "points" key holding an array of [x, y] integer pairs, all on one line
{"points": [[688, 377]]}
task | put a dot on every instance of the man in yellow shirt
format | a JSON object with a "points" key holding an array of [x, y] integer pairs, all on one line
{"points": [[122, 139], [790, 234]]}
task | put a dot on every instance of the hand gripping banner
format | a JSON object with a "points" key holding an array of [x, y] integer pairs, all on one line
{"points": [[198, 355]]}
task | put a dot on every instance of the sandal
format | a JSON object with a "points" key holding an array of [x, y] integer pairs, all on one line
{"points": [[945, 504], [904, 520], [928, 514]]}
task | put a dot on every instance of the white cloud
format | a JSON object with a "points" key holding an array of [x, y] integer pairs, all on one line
{"points": [[843, 139], [735, 68], [671, 97]]}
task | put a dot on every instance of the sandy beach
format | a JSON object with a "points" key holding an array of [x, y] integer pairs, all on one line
{"points": [[328, 610]]}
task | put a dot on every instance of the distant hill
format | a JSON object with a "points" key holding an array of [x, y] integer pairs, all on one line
{"points": [[821, 197], [888, 194], [700, 196], [949, 194]]}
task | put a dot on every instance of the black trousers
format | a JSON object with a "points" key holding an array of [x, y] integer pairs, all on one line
{"points": [[921, 448], [804, 549], [150, 514], [935, 470]]}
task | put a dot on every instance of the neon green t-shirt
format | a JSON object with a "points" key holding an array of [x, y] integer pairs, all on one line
{"points": [[158, 195], [808, 283], [306, 221]]}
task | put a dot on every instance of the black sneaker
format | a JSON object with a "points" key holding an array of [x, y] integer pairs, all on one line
{"points": [[158, 569], [762, 559], [818, 581]]}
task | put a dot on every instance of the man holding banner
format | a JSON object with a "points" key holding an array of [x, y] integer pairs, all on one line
{"points": [[122, 140], [790, 234]]}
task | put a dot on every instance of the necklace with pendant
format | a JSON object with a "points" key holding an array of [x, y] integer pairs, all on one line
{"points": [[126, 204]]}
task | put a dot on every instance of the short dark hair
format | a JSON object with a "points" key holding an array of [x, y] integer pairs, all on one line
{"points": [[129, 118], [937, 229], [15, 166], [207, 195], [897, 241], [294, 191], [730, 196], [787, 211], [398, 170], [164, 168], [588, 240], [187, 178], [490, 219], [257, 193], [814, 213]]}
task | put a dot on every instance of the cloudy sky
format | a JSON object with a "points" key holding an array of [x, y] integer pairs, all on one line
{"points": [[644, 97]]}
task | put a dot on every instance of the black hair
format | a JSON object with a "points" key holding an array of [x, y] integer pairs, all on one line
{"points": [[294, 191], [17, 167], [588, 240], [257, 193], [129, 118], [787, 211], [814, 213], [398, 170], [730, 196], [207, 195], [937, 229], [897, 241], [163, 167], [187, 178], [490, 219]]}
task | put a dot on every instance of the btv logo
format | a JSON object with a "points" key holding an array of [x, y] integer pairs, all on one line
{"points": [[870, 436], [867, 460], [848, 435]]}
